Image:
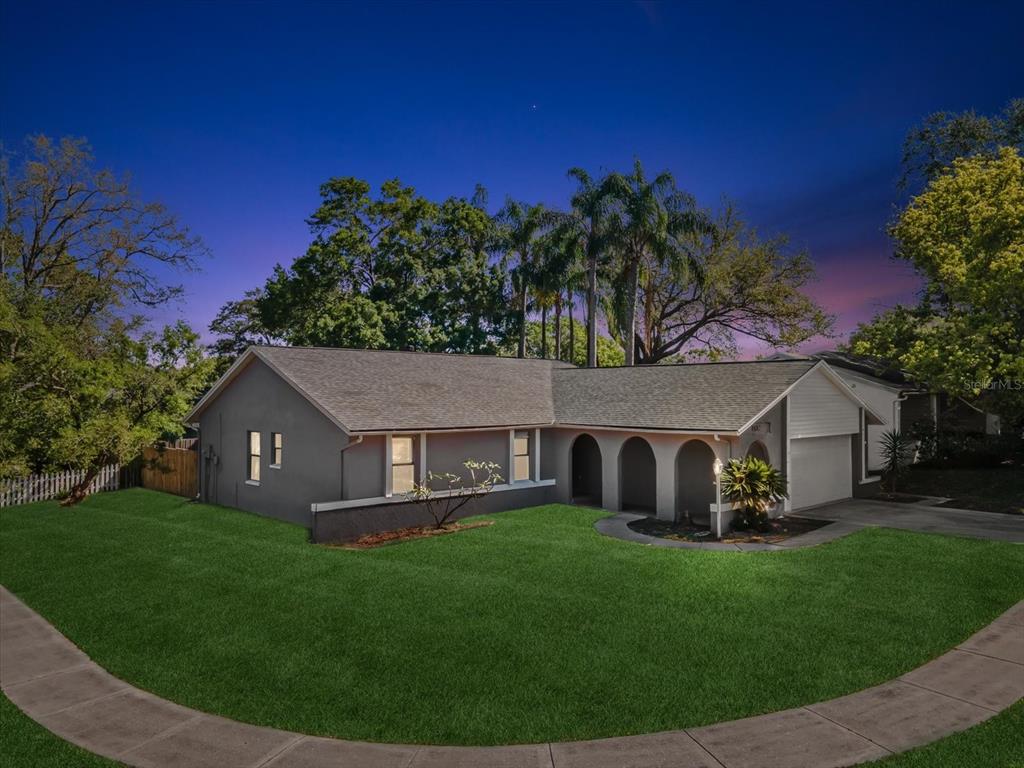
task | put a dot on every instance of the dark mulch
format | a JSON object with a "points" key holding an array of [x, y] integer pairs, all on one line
{"points": [[372, 540], [780, 529]]}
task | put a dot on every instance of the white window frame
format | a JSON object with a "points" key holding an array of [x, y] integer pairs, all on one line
{"points": [[276, 451], [250, 455]]}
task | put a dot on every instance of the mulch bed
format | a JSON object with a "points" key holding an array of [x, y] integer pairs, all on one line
{"points": [[781, 528], [385, 538]]}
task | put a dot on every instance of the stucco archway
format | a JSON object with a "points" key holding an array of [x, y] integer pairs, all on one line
{"points": [[585, 471], [695, 482], [638, 476], [758, 450]]}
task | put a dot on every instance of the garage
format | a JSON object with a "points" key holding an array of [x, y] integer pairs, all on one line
{"points": [[825, 470]]}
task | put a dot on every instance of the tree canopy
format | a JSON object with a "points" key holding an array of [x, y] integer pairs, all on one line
{"points": [[965, 236], [394, 271], [84, 383], [398, 271]]}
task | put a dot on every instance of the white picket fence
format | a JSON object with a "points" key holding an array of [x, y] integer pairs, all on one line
{"points": [[23, 490]]}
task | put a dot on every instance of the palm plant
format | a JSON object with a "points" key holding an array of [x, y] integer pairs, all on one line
{"points": [[650, 217], [591, 206], [522, 225], [756, 486], [895, 449]]}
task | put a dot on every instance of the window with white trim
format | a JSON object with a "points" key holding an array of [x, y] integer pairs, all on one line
{"points": [[521, 456], [403, 475], [276, 449], [254, 456]]}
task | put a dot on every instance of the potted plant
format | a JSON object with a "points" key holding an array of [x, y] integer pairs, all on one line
{"points": [[755, 486]]}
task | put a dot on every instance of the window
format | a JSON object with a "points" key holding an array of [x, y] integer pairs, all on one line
{"points": [[402, 474], [276, 448], [254, 456], [521, 456]]}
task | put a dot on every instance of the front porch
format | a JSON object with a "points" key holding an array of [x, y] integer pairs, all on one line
{"points": [[666, 475]]}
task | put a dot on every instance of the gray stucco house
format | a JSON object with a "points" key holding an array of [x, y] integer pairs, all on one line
{"points": [[332, 438]]}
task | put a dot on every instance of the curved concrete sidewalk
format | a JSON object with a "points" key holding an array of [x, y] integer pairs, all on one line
{"points": [[846, 517], [58, 686]]}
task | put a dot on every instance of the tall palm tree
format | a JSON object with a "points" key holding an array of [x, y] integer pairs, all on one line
{"points": [[649, 217], [590, 213], [522, 225], [559, 251]]}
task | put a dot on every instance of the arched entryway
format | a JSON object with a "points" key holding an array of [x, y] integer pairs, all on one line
{"points": [[758, 451], [638, 476], [695, 482], [585, 471]]}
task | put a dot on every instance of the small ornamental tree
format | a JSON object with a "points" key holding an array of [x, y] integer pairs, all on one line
{"points": [[454, 494], [895, 448], [755, 485]]}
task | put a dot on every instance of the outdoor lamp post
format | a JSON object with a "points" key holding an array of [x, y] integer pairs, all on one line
{"points": [[717, 469]]}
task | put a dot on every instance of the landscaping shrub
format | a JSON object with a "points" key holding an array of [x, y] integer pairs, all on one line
{"points": [[946, 449], [754, 485]]}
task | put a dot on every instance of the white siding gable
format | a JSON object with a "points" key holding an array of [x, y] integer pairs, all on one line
{"points": [[818, 407]]}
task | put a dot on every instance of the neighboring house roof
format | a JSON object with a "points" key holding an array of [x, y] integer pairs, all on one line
{"points": [[705, 397], [873, 367], [375, 390], [381, 391]]}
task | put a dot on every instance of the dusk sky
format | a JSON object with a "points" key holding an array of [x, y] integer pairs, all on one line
{"points": [[234, 113]]}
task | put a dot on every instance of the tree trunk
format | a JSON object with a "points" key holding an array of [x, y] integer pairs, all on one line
{"points": [[522, 323], [629, 332], [592, 312], [81, 489], [544, 331], [558, 326], [572, 334]]}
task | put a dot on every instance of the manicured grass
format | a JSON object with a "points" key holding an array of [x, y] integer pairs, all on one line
{"points": [[996, 743], [998, 489], [536, 628]]}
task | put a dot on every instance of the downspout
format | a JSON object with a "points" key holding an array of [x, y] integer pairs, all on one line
{"points": [[903, 396], [341, 482], [350, 444]]}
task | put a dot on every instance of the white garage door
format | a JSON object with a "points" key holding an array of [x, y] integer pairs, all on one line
{"points": [[821, 470]]}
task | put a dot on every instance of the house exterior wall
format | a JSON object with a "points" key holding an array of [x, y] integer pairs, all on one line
{"points": [[259, 400], [769, 431], [447, 451], [665, 447], [818, 408], [882, 399]]}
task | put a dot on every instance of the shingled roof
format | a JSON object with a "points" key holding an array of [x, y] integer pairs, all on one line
{"points": [[366, 390], [706, 397], [376, 391]]}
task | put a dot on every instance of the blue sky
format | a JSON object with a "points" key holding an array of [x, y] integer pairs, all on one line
{"points": [[234, 113]]}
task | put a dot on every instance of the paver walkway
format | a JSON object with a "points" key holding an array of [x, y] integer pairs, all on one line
{"points": [[57, 685], [847, 516]]}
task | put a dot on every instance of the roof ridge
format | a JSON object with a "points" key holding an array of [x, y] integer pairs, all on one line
{"points": [[472, 355]]}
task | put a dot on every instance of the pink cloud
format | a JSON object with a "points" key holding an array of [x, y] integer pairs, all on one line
{"points": [[854, 288]]}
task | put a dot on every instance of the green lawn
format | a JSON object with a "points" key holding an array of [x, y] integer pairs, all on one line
{"points": [[998, 489], [536, 628]]}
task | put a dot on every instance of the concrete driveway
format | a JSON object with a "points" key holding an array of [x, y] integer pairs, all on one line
{"points": [[922, 518]]}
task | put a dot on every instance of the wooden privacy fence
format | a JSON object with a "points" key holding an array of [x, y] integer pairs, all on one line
{"points": [[171, 470], [23, 490]]}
